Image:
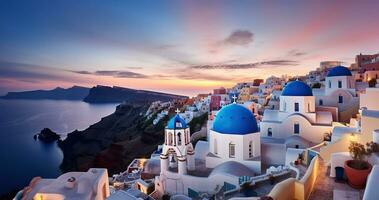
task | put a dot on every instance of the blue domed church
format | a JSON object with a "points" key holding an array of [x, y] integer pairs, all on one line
{"points": [[338, 92], [231, 154], [235, 137], [296, 124]]}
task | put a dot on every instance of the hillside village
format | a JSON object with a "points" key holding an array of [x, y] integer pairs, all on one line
{"points": [[279, 138]]}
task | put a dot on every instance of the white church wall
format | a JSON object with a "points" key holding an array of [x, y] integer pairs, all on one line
{"points": [[285, 129], [219, 145], [306, 104], [331, 83], [332, 98], [256, 145], [179, 184]]}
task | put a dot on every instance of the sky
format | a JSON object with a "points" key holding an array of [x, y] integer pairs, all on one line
{"points": [[182, 47]]}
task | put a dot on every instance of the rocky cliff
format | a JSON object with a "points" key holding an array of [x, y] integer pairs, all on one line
{"points": [[116, 140], [112, 142], [105, 94]]}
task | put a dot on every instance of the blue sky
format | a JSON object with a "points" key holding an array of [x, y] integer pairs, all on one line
{"points": [[176, 46]]}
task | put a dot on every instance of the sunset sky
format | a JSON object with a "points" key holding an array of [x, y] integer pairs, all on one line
{"points": [[183, 47]]}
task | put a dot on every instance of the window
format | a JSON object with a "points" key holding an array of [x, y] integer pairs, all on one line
{"points": [[339, 84], [296, 128], [232, 150], [296, 107], [178, 124], [340, 99], [170, 136], [250, 149], [330, 84], [215, 146], [179, 139], [309, 107], [269, 132], [320, 102]]}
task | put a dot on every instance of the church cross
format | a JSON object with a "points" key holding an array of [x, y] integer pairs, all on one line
{"points": [[234, 98], [177, 111]]}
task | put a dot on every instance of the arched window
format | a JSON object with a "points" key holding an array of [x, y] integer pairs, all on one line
{"points": [[330, 84], [320, 102], [169, 138], [250, 149], [339, 84], [340, 99], [269, 132], [296, 128], [179, 139], [232, 150], [309, 107], [215, 146]]}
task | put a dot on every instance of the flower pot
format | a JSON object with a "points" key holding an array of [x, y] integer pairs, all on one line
{"points": [[357, 177]]}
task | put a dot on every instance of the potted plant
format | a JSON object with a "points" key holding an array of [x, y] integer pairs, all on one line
{"points": [[357, 169]]}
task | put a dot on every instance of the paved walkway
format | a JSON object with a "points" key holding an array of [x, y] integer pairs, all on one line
{"points": [[325, 185]]}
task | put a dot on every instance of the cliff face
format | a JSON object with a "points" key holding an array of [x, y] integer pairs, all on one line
{"points": [[116, 140], [105, 94], [73, 93], [112, 142]]}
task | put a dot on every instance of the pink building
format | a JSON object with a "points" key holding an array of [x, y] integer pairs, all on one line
{"points": [[215, 102]]}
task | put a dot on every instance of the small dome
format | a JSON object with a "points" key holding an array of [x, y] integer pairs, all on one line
{"points": [[297, 88], [339, 71], [176, 122], [231, 168], [235, 119]]}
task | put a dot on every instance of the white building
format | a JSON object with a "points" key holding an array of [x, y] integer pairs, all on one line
{"points": [[233, 151], [234, 137], [339, 92], [90, 185], [297, 116]]}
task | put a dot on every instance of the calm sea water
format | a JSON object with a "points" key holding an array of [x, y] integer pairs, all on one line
{"points": [[21, 157]]}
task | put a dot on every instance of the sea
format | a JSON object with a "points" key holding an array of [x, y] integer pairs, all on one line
{"points": [[21, 157]]}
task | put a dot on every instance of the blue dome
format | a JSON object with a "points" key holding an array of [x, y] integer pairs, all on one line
{"points": [[297, 88], [176, 122], [235, 119], [339, 71]]}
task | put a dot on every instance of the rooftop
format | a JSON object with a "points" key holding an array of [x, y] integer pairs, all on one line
{"points": [[339, 71]]}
